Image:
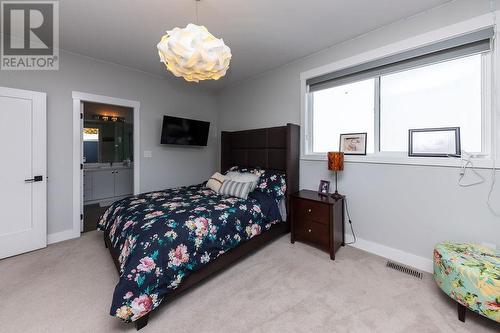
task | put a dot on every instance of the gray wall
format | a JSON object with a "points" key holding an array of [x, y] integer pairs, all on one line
{"points": [[409, 208], [168, 166]]}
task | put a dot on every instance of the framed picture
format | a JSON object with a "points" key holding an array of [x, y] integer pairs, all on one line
{"points": [[353, 143], [434, 142], [324, 187]]}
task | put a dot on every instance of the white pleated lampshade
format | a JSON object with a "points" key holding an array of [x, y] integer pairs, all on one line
{"points": [[194, 53]]}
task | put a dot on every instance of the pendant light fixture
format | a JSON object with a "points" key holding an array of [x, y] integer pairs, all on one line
{"points": [[194, 53]]}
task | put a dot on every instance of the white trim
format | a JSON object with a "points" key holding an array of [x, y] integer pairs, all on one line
{"points": [[40, 197], [421, 263], [486, 98], [86, 97], [80, 137], [376, 116], [401, 159], [76, 166], [78, 98], [454, 30], [62, 236]]}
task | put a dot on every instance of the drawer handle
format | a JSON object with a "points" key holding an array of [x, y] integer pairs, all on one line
{"points": [[309, 230], [309, 210]]}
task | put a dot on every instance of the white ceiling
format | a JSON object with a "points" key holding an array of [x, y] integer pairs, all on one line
{"points": [[262, 34]]}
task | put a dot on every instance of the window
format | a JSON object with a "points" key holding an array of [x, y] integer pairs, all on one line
{"points": [[91, 145], [444, 94], [345, 109], [446, 83], [90, 134]]}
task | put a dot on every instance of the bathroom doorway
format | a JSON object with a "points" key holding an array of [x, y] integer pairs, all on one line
{"points": [[106, 150], [108, 158]]}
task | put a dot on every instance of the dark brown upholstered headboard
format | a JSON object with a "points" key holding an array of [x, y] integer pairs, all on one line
{"points": [[275, 148]]}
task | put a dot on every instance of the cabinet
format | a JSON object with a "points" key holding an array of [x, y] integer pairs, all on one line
{"points": [[124, 182], [87, 185], [107, 183], [317, 220], [103, 184]]}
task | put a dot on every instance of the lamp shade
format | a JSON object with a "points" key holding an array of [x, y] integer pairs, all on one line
{"points": [[194, 53], [335, 161]]}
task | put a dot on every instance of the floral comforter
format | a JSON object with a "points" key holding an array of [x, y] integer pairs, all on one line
{"points": [[163, 236]]}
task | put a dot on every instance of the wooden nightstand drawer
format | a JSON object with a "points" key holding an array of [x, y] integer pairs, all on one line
{"points": [[313, 232], [317, 220], [311, 210]]}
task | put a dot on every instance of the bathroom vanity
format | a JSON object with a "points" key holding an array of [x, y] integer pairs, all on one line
{"points": [[107, 182]]}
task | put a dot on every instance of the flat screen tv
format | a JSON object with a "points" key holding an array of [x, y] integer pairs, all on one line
{"points": [[182, 131]]}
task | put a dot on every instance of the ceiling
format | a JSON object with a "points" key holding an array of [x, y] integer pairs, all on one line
{"points": [[262, 34]]}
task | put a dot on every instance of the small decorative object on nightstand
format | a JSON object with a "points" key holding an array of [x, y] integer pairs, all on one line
{"points": [[324, 188], [318, 220]]}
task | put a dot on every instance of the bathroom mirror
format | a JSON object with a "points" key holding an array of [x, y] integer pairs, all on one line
{"points": [[107, 138]]}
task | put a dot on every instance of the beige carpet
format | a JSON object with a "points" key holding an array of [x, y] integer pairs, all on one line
{"points": [[67, 287]]}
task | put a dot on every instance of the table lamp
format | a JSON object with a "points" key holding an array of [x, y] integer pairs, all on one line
{"points": [[336, 164]]}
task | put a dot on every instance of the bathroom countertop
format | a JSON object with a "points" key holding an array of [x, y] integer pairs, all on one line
{"points": [[106, 166]]}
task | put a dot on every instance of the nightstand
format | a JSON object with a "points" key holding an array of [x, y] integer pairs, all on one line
{"points": [[317, 220]]}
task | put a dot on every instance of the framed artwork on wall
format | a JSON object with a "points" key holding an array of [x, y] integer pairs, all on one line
{"points": [[353, 143]]}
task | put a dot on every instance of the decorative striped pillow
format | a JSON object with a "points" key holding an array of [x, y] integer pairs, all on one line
{"points": [[243, 177], [235, 189]]}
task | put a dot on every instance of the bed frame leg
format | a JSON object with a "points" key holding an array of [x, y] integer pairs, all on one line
{"points": [[141, 322], [461, 312]]}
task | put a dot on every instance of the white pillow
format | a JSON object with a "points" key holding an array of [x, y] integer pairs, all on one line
{"points": [[244, 177], [215, 182]]}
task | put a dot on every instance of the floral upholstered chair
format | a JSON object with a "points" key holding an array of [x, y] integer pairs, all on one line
{"points": [[470, 274]]}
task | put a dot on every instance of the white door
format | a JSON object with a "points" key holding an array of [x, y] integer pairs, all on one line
{"points": [[23, 177]]}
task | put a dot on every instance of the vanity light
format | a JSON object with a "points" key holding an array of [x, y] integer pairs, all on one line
{"points": [[109, 118], [194, 53]]}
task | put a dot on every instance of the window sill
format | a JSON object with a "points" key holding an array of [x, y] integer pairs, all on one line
{"points": [[479, 163]]}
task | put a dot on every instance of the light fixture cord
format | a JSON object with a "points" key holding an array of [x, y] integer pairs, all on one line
{"points": [[197, 18]]}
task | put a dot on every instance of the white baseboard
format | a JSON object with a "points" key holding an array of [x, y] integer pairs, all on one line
{"points": [[421, 263], [62, 236]]}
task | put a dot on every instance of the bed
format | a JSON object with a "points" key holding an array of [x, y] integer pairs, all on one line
{"points": [[164, 242]]}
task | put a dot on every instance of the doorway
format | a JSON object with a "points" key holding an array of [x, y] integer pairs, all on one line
{"points": [[107, 144], [108, 158], [23, 174]]}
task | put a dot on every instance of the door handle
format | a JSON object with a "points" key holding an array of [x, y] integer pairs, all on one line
{"points": [[34, 179]]}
